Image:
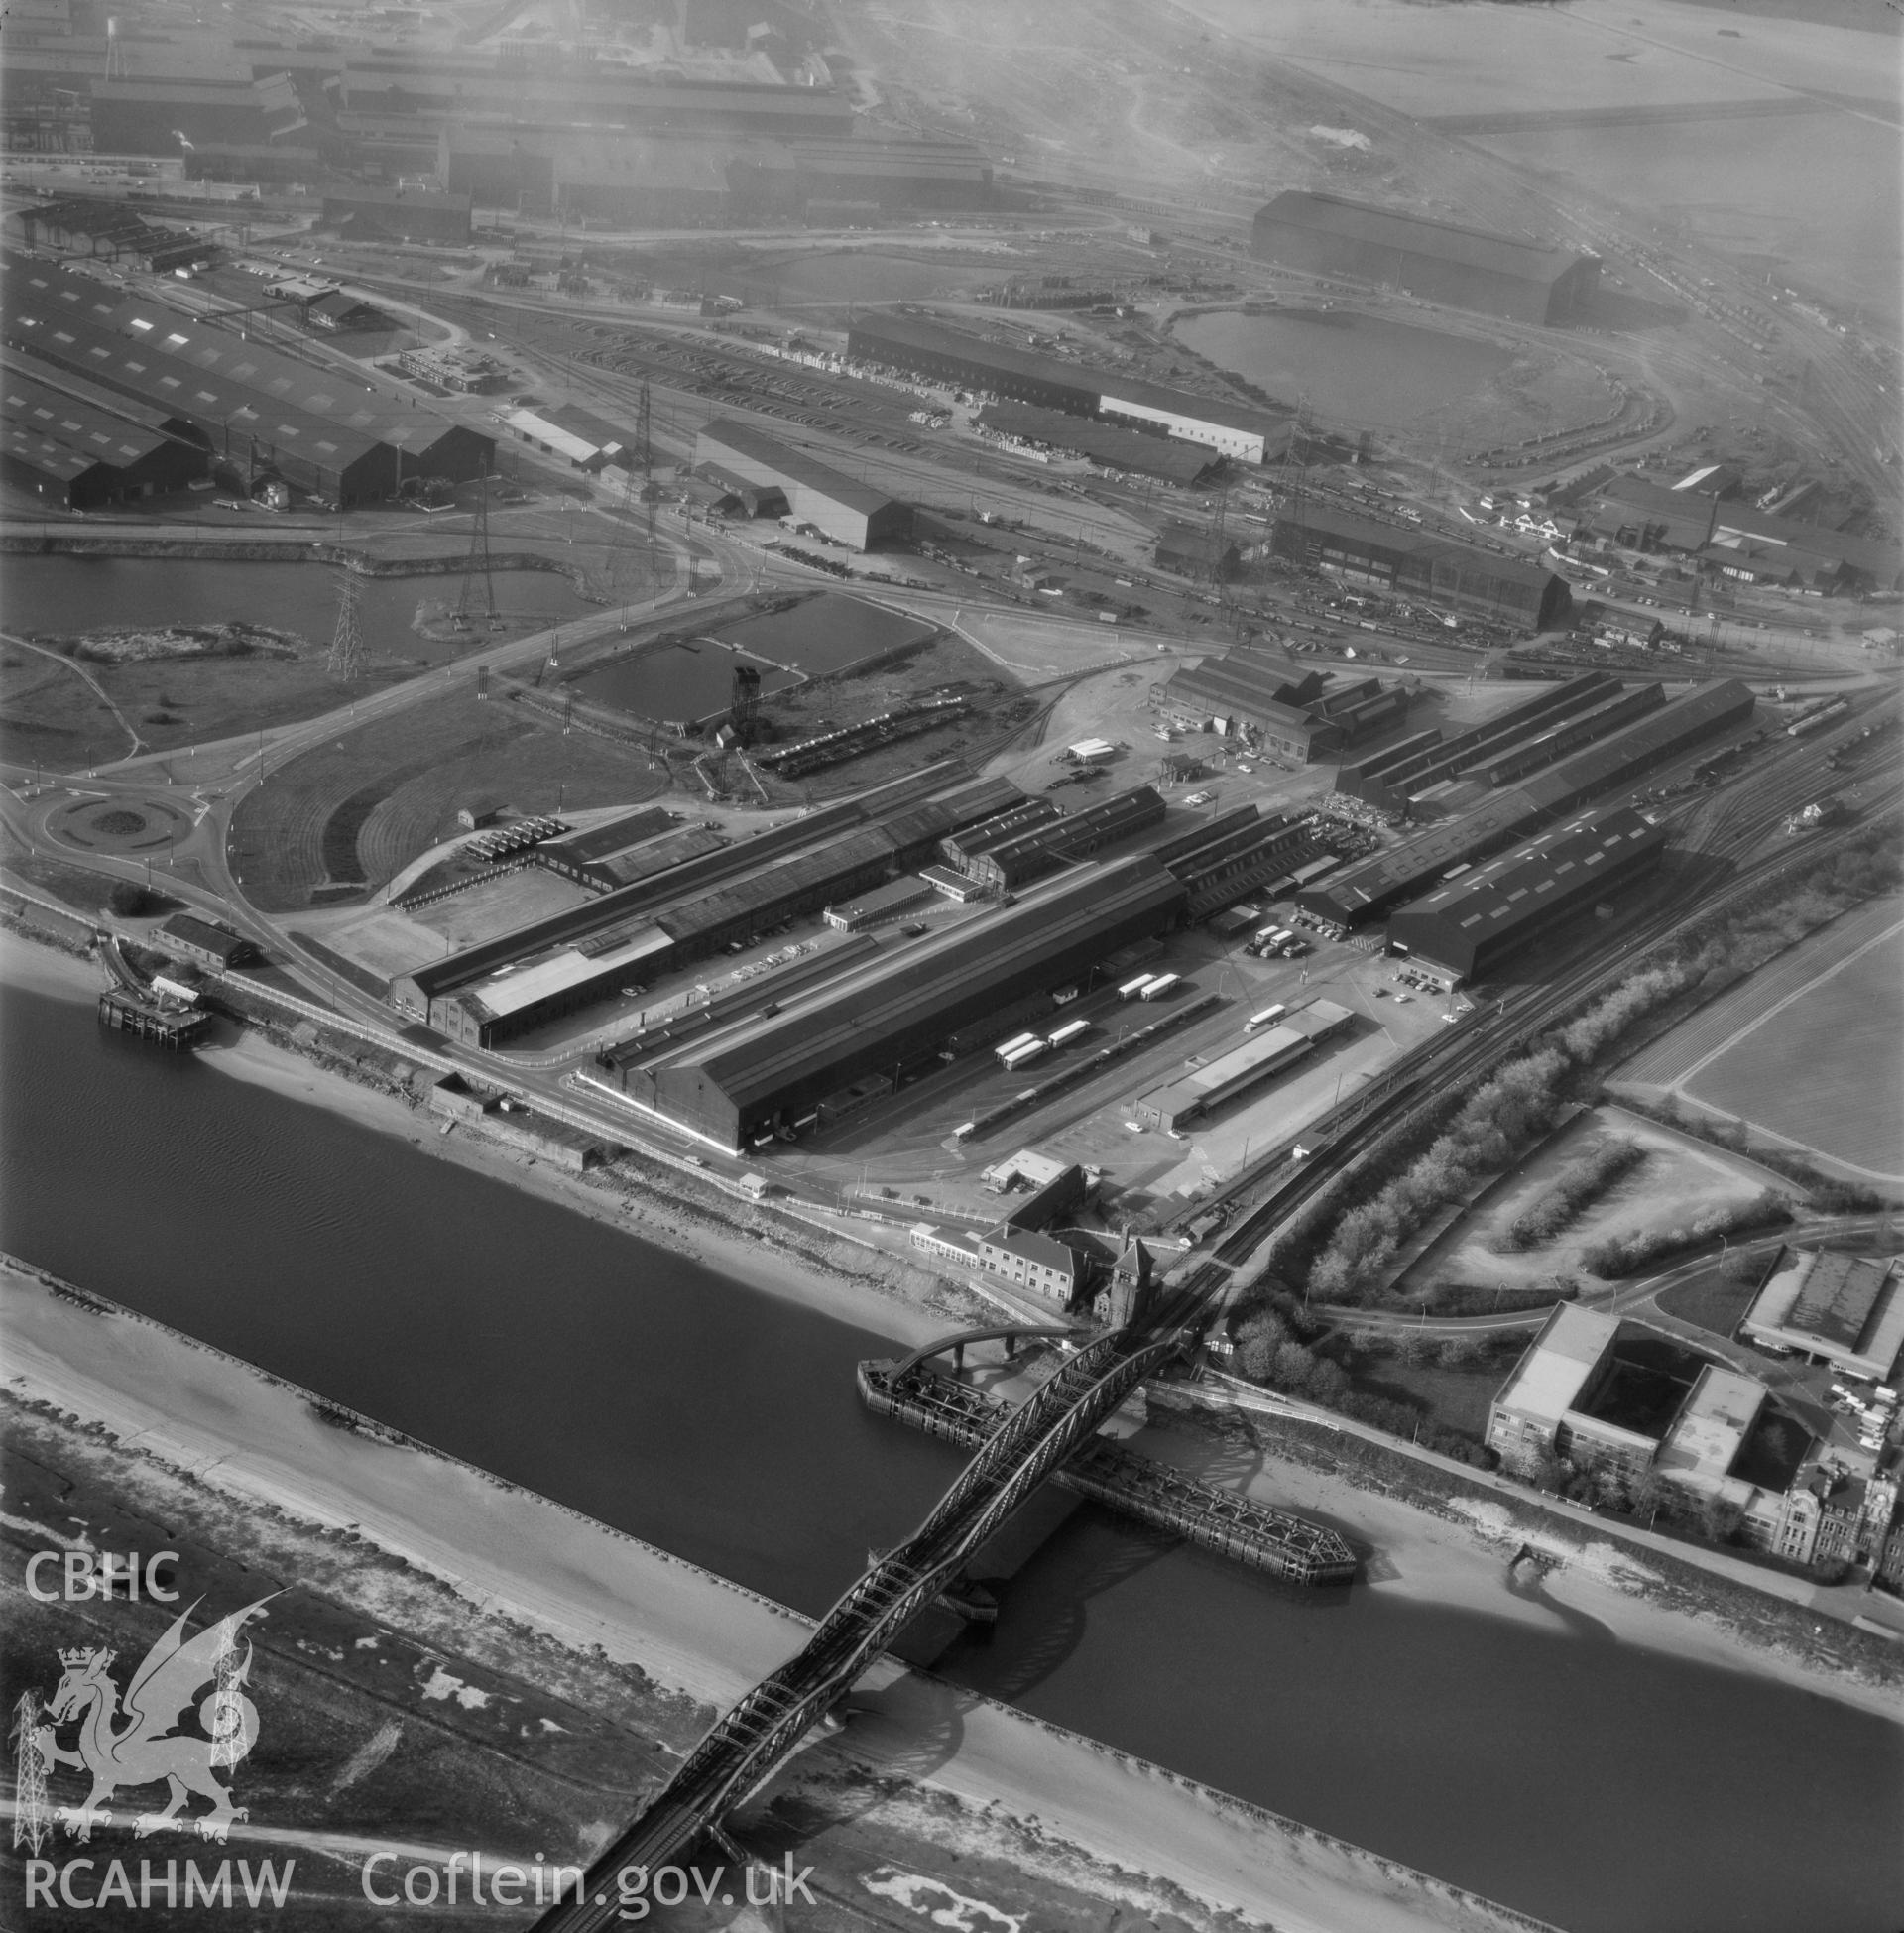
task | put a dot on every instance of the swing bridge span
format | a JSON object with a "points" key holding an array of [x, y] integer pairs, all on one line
{"points": [[1016, 1450]]}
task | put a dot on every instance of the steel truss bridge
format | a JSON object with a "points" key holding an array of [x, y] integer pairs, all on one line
{"points": [[761, 1732]]}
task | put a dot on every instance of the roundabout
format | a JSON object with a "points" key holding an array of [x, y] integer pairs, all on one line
{"points": [[131, 827]]}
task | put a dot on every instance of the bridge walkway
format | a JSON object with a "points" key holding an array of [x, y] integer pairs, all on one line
{"points": [[754, 1739]]}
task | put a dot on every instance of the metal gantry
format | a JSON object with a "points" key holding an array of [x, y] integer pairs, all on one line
{"points": [[346, 659], [751, 1743]]}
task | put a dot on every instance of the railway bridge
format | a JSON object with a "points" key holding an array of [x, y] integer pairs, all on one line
{"points": [[764, 1730]]}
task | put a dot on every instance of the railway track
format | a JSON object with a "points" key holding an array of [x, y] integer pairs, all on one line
{"points": [[1282, 1184]]}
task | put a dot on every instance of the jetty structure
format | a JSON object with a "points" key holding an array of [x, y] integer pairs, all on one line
{"points": [[1249, 1532]]}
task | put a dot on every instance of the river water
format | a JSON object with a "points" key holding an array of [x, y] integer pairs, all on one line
{"points": [[1601, 1787]]}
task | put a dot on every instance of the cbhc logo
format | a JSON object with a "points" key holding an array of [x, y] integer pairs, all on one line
{"points": [[83, 1574]]}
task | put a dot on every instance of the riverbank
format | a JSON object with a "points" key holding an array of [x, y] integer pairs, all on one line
{"points": [[1428, 1556], [909, 1311], [509, 1552]]}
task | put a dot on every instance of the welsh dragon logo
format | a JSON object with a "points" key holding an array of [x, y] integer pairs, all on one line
{"points": [[139, 1743]]}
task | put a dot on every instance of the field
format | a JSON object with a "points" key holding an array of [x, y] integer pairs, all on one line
{"points": [[338, 821], [1822, 1068], [1807, 1048]]}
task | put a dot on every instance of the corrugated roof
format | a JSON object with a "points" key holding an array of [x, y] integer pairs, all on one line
{"points": [[90, 433], [940, 977], [204, 371], [1500, 889], [625, 830], [1447, 241], [511, 992], [1838, 1294]]}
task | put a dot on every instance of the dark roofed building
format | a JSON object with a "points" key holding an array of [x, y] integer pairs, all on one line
{"points": [[1440, 261], [1297, 716], [73, 452], [1189, 550], [1106, 444], [927, 348], [401, 214], [203, 944], [843, 507], [773, 1071], [320, 428], [1416, 563], [146, 117], [1467, 925], [1739, 541], [579, 855]]}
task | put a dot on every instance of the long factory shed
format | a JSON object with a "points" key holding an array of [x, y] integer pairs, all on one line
{"points": [[495, 991], [814, 492], [918, 347], [1467, 925], [1373, 887], [1245, 1068], [774, 1070], [1408, 562], [319, 426]]}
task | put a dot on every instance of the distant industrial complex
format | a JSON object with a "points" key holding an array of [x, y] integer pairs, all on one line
{"points": [[1440, 261]]}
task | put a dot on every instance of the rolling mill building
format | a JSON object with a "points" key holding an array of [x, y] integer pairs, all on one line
{"points": [[1440, 261], [1390, 557], [775, 1070]]}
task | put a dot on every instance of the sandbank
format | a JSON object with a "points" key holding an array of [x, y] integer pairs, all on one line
{"points": [[510, 1550]]}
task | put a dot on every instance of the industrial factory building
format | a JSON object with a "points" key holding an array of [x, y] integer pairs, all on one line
{"points": [[1467, 925], [257, 409], [1103, 444], [1400, 777], [775, 1070], [75, 453], [397, 214], [1369, 889], [1301, 716], [845, 509], [1242, 1071], [105, 231], [1460, 577], [590, 857], [668, 915], [1737, 541], [1439, 261], [1026, 851], [430, 87], [169, 117], [916, 346]]}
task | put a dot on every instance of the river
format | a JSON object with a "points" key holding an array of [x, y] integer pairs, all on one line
{"points": [[1603, 1787]]}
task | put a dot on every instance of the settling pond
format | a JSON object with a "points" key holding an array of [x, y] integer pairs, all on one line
{"points": [[819, 637], [1361, 369], [65, 596]]}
